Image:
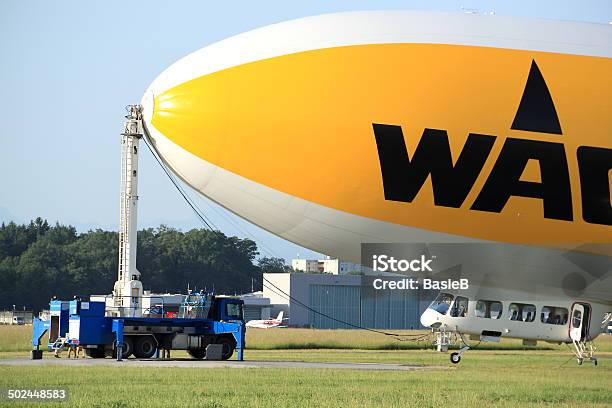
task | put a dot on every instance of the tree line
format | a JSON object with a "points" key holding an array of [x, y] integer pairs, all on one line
{"points": [[39, 261]]}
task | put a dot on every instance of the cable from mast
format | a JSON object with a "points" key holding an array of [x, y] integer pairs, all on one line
{"points": [[199, 213]]}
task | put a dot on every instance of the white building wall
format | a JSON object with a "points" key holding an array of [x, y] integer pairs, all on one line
{"points": [[328, 265], [305, 265], [331, 266], [298, 285], [278, 301], [298, 264]]}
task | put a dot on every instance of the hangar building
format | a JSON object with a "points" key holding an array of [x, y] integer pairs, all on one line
{"points": [[348, 298]]}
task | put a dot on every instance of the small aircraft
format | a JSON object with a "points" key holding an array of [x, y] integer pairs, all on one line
{"points": [[268, 323]]}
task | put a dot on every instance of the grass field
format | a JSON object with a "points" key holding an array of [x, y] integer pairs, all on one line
{"points": [[17, 338], [506, 377]]}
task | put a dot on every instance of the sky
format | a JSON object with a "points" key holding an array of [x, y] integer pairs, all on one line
{"points": [[68, 68]]}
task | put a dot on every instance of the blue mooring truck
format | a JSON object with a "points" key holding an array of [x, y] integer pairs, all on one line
{"points": [[203, 320], [207, 326]]}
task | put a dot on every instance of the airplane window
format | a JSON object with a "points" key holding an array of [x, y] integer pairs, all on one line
{"points": [[489, 309], [460, 307], [529, 313], [513, 311], [554, 315], [496, 310], [521, 312], [442, 303], [481, 309]]}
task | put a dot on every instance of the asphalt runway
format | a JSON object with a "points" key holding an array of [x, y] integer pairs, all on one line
{"points": [[190, 363]]}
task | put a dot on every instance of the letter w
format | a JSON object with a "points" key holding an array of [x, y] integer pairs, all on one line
{"points": [[403, 178]]}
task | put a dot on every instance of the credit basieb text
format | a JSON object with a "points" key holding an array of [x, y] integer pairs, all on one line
{"points": [[412, 283]]}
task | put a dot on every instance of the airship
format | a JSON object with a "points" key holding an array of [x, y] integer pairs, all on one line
{"points": [[415, 127]]}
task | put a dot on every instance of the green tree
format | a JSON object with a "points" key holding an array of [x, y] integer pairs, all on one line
{"points": [[38, 261], [273, 265], [92, 267], [42, 273]]}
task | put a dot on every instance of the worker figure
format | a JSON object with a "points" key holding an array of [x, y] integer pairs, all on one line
{"points": [[77, 350], [59, 347], [165, 353]]}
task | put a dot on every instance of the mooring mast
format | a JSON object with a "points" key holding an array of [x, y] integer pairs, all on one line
{"points": [[127, 292]]}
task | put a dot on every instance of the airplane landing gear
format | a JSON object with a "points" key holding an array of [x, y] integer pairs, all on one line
{"points": [[592, 359], [444, 340], [455, 357], [584, 351]]}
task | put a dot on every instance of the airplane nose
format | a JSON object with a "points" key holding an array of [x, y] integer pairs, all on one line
{"points": [[431, 318]]}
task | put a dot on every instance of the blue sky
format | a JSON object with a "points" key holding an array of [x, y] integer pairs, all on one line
{"points": [[69, 68]]}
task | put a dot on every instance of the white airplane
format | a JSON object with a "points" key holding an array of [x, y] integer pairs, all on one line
{"points": [[268, 323], [417, 127]]}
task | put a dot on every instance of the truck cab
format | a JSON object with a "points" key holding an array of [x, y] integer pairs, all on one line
{"points": [[227, 309]]}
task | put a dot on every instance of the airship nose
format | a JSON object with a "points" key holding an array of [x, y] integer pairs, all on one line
{"points": [[148, 106], [431, 318]]}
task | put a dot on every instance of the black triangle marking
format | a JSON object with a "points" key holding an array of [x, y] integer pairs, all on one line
{"points": [[536, 112]]}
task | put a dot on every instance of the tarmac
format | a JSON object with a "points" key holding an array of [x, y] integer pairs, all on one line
{"points": [[191, 363]]}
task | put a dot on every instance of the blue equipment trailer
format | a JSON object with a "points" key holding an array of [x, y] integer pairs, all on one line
{"points": [[205, 320]]}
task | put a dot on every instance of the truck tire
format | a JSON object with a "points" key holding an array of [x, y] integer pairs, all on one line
{"points": [[228, 347], [126, 351], [97, 352], [198, 354], [145, 347]]}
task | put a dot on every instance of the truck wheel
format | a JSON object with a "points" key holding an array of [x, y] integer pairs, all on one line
{"points": [[198, 354], [228, 347], [97, 352], [126, 350], [145, 347]]}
